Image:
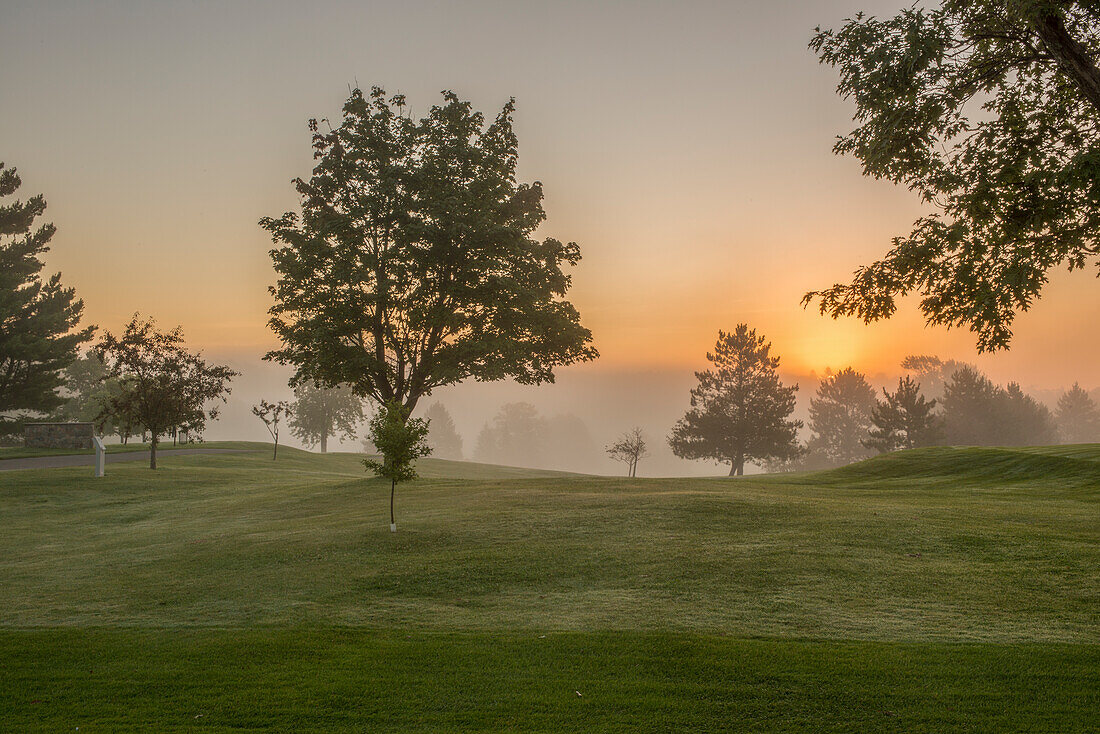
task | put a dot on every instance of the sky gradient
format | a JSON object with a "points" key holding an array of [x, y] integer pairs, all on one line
{"points": [[685, 146]]}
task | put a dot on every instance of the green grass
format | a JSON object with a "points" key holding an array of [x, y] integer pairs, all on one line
{"points": [[940, 589]]}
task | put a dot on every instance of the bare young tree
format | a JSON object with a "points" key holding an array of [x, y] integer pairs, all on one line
{"points": [[629, 449], [271, 414]]}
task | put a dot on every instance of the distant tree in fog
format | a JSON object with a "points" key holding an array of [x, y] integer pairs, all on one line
{"points": [[840, 417], [319, 413], [1078, 417], [516, 435], [740, 411], [904, 419], [412, 265], [272, 415], [442, 435], [977, 412], [629, 449], [519, 436], [932, 372]]}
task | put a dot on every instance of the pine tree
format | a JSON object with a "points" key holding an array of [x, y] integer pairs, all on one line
{"points": [[38, 317], [840, 417], [904, 420], [740, 410], [1078, 416], [442, 435]]}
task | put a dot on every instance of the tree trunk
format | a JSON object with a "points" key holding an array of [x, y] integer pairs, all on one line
{"points": [[275, 453], [393, 522], [324, 443], [153, 453], [1070, 54], [737, 467]]}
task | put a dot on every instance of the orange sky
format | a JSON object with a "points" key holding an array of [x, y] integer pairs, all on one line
{"points": [[687, 150]]}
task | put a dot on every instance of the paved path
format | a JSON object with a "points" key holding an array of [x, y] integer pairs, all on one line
{"points": [[53, 462]]}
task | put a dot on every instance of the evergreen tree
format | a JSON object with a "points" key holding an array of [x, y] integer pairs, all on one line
{"points": [[904, 420], [38, 317], [978, 413], [1022, 420], [319, 413], [1078, 417], [442, 435], [739, 410], [840, 417]]}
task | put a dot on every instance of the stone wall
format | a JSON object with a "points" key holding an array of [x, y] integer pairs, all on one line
{"points": [[58, 435]]}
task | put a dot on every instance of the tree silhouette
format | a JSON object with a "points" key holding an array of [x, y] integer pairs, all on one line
{"points": [[904, 420], [38, 317], [161, 384], [629, 449], [412, 265], [739, 410], [272, 414]]}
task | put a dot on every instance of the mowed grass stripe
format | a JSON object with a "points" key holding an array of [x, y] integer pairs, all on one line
{"points": [[346, 679]]}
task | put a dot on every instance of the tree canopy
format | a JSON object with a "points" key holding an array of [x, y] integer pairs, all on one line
{"points": [[989, 110], [39, 337], [740, 409], [412, 264]]}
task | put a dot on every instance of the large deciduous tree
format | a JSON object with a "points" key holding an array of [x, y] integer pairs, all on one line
{"points": [[990, 111], [904, 419], [320, 413], [162, 386], [412, 265], [39, 337], [740, 410], [840, 417]]}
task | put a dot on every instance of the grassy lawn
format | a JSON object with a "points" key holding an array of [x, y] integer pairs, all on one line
{"points": [[941, 589]]}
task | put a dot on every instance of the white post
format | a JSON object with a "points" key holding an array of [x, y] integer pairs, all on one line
{"points": [[100, 456]]}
